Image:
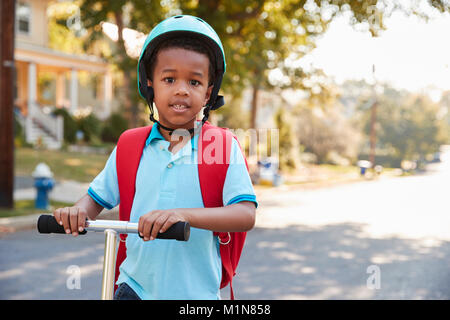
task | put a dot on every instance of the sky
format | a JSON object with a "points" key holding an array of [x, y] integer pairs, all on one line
{"points": [[410, 54]]}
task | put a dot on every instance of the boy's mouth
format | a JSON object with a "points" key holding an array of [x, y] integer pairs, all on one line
{"points": [[179, 107]]}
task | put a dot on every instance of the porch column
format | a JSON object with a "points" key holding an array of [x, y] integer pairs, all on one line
{"points": [[73, 91], [32, 97], [60, 89], [32, 86], [107, 94]]}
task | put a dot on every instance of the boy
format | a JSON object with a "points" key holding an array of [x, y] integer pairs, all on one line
{"points": [[180, 70]]}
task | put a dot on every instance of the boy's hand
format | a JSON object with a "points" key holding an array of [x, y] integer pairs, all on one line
{"points": [[72, 218], [150, 224]]}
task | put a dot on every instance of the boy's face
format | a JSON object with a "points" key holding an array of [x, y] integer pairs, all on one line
{"points": [[180, 83]]}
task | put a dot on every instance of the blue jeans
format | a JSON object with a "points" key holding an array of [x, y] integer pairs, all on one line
{"points": [[124, 292]]}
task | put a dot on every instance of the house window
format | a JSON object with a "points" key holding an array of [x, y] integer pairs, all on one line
{"points": [[23, 15]]}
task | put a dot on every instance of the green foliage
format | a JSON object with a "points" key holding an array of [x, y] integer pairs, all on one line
{"points": [[94, 130], [90, 126], [28, 207], [260, 36], [70, 125], [326, 133], [137, 14], [231, 116], [18, 130], [60, 37], [113, 128], [410, 129], [287, 146], [19, 133]]}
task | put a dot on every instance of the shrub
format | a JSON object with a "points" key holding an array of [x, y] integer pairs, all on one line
{"points": [[91, 127], [70, 125], [113, 128]]}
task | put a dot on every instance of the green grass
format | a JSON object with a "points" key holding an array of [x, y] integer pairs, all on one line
{"points": [[64, 165], [26, 207]]}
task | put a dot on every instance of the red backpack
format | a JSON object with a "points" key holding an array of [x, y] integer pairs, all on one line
{"points": [[212, 169]]}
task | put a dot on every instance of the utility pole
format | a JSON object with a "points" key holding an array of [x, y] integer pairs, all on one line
{"points": [[7, 21], [373, 120]]}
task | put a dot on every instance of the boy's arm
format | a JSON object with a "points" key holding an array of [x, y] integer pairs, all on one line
{"points": [[73, 218], [235, 217], [91, 207]]}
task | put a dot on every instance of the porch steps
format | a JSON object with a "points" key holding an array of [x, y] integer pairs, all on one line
{"points": [[39, 135]]}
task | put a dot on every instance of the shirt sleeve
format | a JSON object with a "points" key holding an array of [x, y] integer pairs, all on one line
{"points": [[104, 189], [238, 185]]}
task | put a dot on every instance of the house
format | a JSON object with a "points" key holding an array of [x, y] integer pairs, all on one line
{"points": [[48, 79]]}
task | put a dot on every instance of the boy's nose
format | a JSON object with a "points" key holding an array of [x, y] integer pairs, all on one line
{"points": [[182, 89]]}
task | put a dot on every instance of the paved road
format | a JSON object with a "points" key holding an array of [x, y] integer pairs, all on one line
{"points": [[386, 239]]}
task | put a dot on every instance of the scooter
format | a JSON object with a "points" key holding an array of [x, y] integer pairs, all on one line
{"points": [[47, 224]]}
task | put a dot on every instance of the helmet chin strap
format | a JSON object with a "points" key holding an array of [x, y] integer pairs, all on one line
{"points": [[171, 130]]}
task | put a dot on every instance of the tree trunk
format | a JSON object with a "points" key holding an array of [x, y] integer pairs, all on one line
{"points": [[373, 137], [254, 110], [253, 148]]}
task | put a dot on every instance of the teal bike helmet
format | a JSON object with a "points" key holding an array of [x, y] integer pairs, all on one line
{"points": [[178, 27]]}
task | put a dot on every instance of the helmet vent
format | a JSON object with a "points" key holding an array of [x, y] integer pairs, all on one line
{"points": [[178, 17]]}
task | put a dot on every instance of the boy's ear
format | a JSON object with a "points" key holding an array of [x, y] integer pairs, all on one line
{"points": [[149, 82], [208, 94]]}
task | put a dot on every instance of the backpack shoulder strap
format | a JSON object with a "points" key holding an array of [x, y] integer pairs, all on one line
{"points": [[214, 158], [214, 149], [128, 156]]}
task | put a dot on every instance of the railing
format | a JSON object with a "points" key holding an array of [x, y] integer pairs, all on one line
{"points": [[52, 125]]}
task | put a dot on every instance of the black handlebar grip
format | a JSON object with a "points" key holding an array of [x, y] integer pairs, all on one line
{"points": [[47, 224], [179, 231]]}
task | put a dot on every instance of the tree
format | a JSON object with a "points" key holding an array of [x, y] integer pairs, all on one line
{"points": [[412, 129], [409, 126], [265, 35], [61, 37], [444, 104], [124, 13], [288, 156], [259, 36], [326, 132]]}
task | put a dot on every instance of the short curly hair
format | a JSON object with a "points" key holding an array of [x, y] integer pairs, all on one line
{"points": [[185, 42]]}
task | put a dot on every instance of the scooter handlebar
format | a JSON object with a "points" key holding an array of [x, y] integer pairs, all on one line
{"points": [[178, 231], [47, 224]]}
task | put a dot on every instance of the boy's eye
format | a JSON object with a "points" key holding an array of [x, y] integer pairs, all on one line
{"points": [[169, 80], [194, 83]]}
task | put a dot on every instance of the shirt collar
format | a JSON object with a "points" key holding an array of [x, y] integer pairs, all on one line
{"points": [[156, 135]]}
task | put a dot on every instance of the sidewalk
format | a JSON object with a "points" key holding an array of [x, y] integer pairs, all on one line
{"points": [[64, 191]]}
